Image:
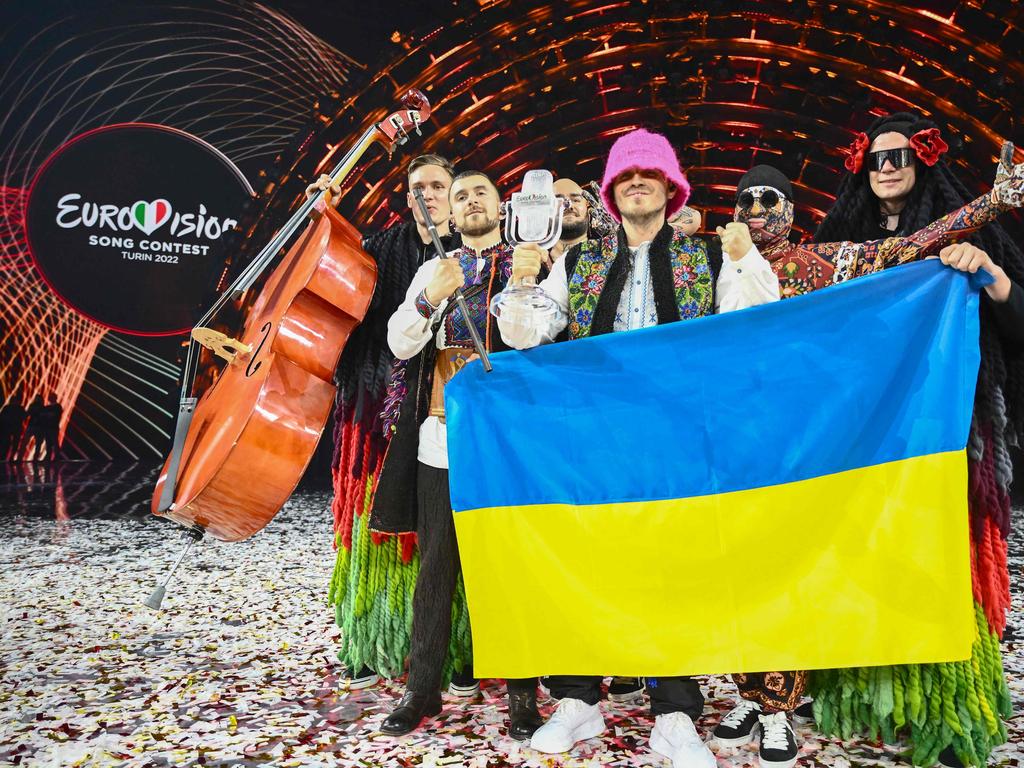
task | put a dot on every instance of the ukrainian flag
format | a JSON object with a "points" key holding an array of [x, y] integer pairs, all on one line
{"points": [[779, 488]]}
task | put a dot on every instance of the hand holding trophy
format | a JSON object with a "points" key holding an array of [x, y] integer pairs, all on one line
{"points": [[532, 217]]}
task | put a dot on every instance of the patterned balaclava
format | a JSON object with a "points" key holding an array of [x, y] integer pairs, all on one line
{"points": [[764, 196]]}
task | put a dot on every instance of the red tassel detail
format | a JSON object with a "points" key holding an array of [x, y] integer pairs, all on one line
{"points": [[989, 499], [407, 541], [992, 580], [350, 498]]}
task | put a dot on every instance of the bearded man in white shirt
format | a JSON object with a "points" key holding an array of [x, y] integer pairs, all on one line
{"points": [[430, 331]]}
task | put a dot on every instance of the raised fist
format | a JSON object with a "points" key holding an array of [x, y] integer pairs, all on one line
{"points": [[526, 260], [448, 277], [736, 240]]}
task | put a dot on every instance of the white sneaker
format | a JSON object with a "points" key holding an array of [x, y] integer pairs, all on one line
{"points": [[675, 737], [464, 690], [463, 685], [572, 721]]}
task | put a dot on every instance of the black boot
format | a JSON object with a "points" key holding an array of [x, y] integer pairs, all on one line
{"points": [[523, 716], [410, 712]]}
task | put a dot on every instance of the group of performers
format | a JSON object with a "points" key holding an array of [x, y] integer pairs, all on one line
{"points": [[629, 258]]}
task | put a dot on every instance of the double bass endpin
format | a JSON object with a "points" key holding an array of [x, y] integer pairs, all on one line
{"points": [[157, 597]]}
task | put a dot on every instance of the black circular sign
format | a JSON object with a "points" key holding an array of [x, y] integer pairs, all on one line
{"points": [[127, 225]]}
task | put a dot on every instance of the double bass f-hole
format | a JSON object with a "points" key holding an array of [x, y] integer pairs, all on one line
{"points": [[253, 365]]}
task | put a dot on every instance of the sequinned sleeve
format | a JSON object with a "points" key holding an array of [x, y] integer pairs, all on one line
{"points": [[853, 259]]}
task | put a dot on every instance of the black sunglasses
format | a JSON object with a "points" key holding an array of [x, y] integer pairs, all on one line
{"points": [[900, 158], [768, 198]]}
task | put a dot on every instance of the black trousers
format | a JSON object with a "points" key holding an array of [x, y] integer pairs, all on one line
{"points": [[668, 694], [435, 585]]}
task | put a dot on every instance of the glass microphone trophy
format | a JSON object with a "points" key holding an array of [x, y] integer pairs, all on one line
{"points": [[532, 216]]}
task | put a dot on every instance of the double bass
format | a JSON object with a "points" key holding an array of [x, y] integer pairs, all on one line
{"points": [[241, 448]]}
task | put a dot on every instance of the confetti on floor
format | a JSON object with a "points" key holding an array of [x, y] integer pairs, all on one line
{"points": [[239, 668]]}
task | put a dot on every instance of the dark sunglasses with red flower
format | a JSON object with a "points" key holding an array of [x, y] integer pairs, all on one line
{"points": [[900, 158]]}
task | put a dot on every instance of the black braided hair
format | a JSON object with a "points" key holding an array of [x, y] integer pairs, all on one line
{"points": [[365, 363], [937, 191]]}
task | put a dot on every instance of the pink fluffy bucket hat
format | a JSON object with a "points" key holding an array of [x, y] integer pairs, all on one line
{"points": [[643, 150]]}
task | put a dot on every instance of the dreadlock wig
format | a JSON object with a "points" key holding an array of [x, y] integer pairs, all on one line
{"points": [[958, 705], [375, 574]]}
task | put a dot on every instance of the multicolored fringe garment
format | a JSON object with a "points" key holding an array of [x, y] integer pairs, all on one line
{"points": [[375, 574], [962, 704]]}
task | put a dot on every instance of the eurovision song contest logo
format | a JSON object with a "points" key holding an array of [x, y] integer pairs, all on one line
{"points": [[127, 225]]}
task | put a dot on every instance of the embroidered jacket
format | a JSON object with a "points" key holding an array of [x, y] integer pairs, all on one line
{"points": [[803, 268], [692, 280], [394, 500]]}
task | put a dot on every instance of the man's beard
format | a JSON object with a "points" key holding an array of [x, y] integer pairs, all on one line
{"points": [[642, 220], [573, 231], [480, 230]]}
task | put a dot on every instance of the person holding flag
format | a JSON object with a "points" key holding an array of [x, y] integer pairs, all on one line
{"points": [[646, 274]]}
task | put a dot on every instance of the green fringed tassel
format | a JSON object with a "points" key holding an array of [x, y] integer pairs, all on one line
{"points": [[963, 704], [371, 590]]}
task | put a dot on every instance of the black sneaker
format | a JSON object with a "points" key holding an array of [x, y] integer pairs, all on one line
{"points": [[778, 742], [948, 758], [623, 689], [364, 678], [463, 684], [804, 714], [737, 727]]}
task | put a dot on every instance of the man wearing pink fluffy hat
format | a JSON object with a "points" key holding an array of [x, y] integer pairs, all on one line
{"points": [[647, 273]]}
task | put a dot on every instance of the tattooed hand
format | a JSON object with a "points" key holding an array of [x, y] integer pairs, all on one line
{"points": [[686, 219]]}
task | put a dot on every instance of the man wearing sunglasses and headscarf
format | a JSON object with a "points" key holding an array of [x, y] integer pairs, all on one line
{"points": [[764, 202], [898, 180]]}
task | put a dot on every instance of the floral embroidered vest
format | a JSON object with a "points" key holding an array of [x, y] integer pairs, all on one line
{"points": [[691, 279], [497, 270]]}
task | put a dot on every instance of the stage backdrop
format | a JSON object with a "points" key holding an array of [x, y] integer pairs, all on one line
{"points": [[280, 89]]}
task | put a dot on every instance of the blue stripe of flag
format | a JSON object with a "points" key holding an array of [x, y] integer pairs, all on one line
{"points": [[874, 370]]}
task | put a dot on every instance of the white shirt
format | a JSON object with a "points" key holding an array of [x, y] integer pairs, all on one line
{"points": [[741, 284], [408, 334]]}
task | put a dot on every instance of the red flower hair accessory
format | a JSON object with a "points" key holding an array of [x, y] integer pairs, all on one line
{"points": [[928, 145], [855, 153]]}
